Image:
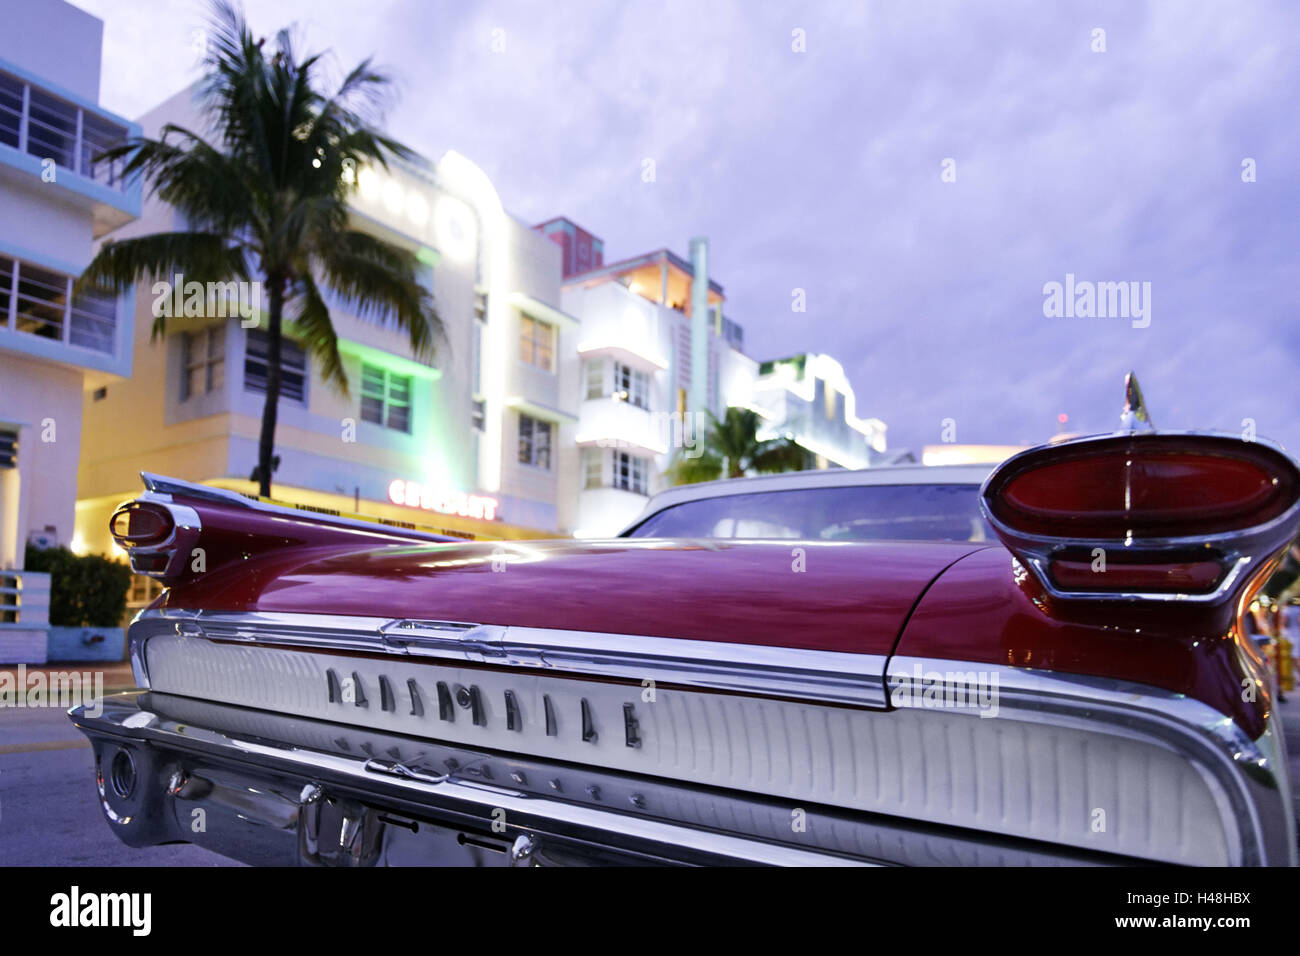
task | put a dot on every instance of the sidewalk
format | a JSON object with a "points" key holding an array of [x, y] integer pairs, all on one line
{"points": [[116, 676]]}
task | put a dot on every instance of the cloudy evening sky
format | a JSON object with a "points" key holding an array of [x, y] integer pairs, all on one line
{"points": [[821, 170]]}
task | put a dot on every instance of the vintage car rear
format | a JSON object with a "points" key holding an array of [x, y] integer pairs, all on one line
{"points": [[329, 692]]}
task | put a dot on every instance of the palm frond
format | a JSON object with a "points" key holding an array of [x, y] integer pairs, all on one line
{"points": [[689, 471], [187, 172], [777, 455], [206, 257], [315, 332], [379, 280], [201, 257], [731, 449]]}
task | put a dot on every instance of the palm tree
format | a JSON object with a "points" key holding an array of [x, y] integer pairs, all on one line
{"points": [[732, 450], [266, 197]]}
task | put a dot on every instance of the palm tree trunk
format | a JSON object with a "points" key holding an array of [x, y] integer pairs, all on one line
{"points": [[266, 444]]}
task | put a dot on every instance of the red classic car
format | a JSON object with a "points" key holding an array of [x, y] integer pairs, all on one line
{"points": [[1079, 690]]}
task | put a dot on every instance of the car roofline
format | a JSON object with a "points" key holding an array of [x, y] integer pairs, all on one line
{"points": [[821, 478]]}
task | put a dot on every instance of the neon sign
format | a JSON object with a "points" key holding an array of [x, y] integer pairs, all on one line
{"points": [[412, 494]]}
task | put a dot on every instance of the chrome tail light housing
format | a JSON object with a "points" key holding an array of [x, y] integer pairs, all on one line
{"points": [[1146, 515], [156, 533]]}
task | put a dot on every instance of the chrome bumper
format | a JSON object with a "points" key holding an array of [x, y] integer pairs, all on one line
{"points": [[275, 790], [263, 802]]}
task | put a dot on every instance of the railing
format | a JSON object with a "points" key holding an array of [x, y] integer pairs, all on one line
{"points": [[35, 121], [40, 302], [25, 598], [24, 616]]}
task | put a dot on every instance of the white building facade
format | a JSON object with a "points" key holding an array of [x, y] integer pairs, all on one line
{"points": [[642, 391], [55, 201], [465, 443]]}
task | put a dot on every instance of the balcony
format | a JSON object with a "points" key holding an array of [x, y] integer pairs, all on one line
{"points": [[40, 124], [613, 423], [46, 319]]}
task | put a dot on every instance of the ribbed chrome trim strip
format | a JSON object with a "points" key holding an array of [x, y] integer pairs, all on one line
{"points": [[829, 676], [1248, 777]]}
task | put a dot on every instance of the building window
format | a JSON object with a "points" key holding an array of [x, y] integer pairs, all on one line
{"points": [[204, 355], [480, 306], [143, 591], [51, 129], [478, 414], [293, 366], [8, 448], [594, 468], [7, 267], [385, 398], [94, 319], [632, 386], [42, 295], [536, 342], [11, 110], [55, 129], [631, 472], [534, 442], [476, 359], [595, 378]]}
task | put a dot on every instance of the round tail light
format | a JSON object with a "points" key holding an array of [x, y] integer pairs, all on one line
{"points": [[140, 525]]}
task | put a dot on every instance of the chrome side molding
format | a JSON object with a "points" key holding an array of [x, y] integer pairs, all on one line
{"points": [[830, 676]]}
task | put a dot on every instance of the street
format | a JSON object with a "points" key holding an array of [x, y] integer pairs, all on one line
{"points": [[49, 812]]}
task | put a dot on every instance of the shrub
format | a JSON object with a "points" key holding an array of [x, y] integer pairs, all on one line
{"points": [[85, 591]]}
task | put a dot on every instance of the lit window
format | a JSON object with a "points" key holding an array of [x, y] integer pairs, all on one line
{"points": [[143, 591], [593, 462], [632, 386], [536, 342], [204, 355], [630, 472], [38, 299], [385, 398], [595, 378], [293, 366], [534, 442]]}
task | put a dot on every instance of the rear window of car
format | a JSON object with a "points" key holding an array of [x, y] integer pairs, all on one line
{"points": [[855, 513]]}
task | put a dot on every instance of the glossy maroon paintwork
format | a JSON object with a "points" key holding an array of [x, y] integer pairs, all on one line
{"points": [[945, 601], [983, 610], [850, 597]]}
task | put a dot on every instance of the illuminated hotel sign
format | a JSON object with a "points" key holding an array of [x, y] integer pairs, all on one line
{"points": [[415, 495]]}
